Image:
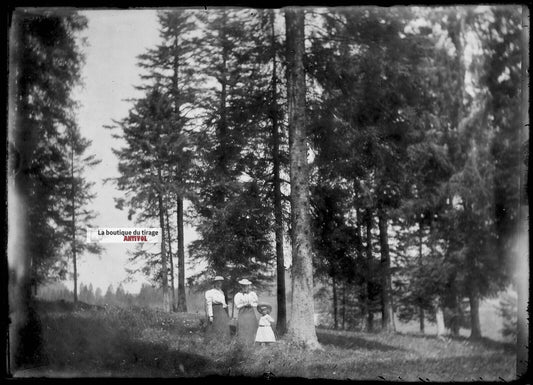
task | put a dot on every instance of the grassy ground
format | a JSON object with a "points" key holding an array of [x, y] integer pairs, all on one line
{"points": [[93, 341]]}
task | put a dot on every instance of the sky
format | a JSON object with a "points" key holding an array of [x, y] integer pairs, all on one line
{"points": [[114, 39]]}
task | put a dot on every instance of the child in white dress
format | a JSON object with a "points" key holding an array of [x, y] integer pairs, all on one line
{"points": [[265, 334]]}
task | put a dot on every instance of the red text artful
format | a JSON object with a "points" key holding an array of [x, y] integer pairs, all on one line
{"points": [[135, 238]]}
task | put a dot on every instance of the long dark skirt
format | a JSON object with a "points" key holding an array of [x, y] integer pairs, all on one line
{"points": [[220, 327], [246, 325]]}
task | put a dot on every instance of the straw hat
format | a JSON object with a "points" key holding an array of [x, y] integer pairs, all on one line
{"points": [[244, 281], [262, 306]]}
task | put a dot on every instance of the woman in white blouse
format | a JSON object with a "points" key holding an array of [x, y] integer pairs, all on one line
{"points": [[216, 309], [246, 303]]}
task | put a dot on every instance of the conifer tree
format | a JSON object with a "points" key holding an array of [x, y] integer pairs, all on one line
{"points": [[45, 63], [145, 167], [79, 195], [171, 65], [301, 325], [234, 221]]}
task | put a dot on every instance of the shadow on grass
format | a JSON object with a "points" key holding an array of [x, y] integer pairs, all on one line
{"points": [[492, 344], [121, 355], [63, 306], [157, 358], [466, 368], [484, 341], [101, 343], [353, 342], [489, 343]]}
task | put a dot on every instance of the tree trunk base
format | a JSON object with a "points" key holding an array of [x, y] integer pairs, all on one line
{"points": [[475, 337], [281, 329], [303, 343]]}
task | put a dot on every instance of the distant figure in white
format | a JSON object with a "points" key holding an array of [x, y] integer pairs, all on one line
{"points": [[265, 334], [246, 302], [216, 309]]}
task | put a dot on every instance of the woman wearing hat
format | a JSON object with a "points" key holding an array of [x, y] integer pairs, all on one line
{"points": [[246, 302], [216, 308]]}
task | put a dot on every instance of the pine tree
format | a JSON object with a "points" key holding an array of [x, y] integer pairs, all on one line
{"points": [[370, 109], [109, 296], [144, 166], [171, 66], [475, 186], [78, 196], [233, 219], [274, 113], [301, 326], [45, 65]]}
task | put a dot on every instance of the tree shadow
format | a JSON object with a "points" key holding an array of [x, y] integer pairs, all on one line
{"points": [[64, 306], [158, 358], [353, 342], [104, 345], [492, 344], [461, 368], [483, 341]]}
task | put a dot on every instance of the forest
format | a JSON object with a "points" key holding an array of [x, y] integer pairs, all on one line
{"points": [[378, 152]]}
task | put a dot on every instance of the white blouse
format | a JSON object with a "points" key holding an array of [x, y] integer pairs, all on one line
{"points": [[244, 299], [214, 296], [266, 320]]}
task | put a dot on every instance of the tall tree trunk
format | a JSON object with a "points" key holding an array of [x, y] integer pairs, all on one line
{"points": [[344, 306], [164, 266], [182, 298], [362, 264], [370, 271], [453, 307], [393, 322], [171, 262], [281, 325], [439, 301], [302, 326], [420, 256], [73, 225], [421, 319], [456, 32], [475, 325], [472, 290], [335, 304], [387, 314]]}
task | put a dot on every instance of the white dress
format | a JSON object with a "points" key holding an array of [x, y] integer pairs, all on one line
{"points": [[264, 331]]}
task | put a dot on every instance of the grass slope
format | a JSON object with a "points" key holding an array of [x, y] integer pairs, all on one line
{"points": [[91, 341]]}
